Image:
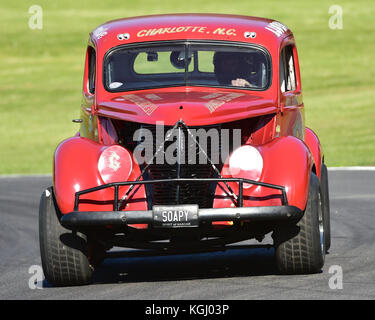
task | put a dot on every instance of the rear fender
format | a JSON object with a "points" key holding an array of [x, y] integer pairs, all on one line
{"points": [[286, 162], [76, 169]]}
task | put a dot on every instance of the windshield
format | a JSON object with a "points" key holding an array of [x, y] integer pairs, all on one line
{"points": [[187, 64]]}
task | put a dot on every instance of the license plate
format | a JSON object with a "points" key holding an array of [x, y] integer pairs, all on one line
{"points": [[179, 216]]}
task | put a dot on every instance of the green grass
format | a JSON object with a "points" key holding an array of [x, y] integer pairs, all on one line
{"points": [[41, 71]]}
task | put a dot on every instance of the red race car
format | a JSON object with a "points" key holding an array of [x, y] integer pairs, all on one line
{"points": [[192, 137]]}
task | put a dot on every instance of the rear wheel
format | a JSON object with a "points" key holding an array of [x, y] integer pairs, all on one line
{"points": [[63, 252], [300, 248]]}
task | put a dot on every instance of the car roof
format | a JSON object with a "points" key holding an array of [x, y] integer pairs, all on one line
{"points": [[262, 31]]}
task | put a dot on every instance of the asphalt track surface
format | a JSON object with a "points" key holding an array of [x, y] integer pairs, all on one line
{"points": [[236, 274]]}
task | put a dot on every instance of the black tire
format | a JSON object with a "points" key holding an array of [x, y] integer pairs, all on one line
{"points": [[63, 252], [299, 248], [326, 207]]}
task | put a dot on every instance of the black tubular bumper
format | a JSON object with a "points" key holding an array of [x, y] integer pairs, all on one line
{"points": [[81, 219], [84, 219]]}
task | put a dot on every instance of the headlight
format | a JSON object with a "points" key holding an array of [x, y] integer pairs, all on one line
{"points": [[115, 164], [246, 162]]}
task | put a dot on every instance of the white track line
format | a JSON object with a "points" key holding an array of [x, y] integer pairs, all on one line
{"points": [[351, 168], [16, 176]]}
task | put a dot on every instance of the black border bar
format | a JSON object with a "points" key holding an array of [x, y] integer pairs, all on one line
{"points": [[240, 181]]}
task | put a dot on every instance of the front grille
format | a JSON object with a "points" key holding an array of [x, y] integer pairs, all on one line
{"points": [[187, 163], [184, 193]]}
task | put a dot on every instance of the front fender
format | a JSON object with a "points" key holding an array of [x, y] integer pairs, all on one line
{"points": [[76, 169], [313, 143], [287, 162]]}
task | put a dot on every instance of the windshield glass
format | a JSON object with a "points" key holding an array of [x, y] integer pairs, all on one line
{"points": [[187, 64]]}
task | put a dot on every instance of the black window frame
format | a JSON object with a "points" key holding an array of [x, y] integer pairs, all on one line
{"points": [[91, 75], [188, 42], [287, 52]]}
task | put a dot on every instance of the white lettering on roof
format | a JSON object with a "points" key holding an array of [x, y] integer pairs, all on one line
{"points": [[100, 32], [277, 28], [179, 29]]}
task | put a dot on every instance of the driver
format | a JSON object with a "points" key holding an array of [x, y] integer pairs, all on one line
{"points": [[229, 70]]}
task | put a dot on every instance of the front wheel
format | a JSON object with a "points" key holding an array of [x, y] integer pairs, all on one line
{"points": [[300, 248], [63, 252]]}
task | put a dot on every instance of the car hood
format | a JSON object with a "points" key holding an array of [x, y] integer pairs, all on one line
{"points": [[193, 106]]}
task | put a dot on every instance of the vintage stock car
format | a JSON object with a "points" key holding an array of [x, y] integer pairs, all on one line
{"points": [[191, 137]]}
